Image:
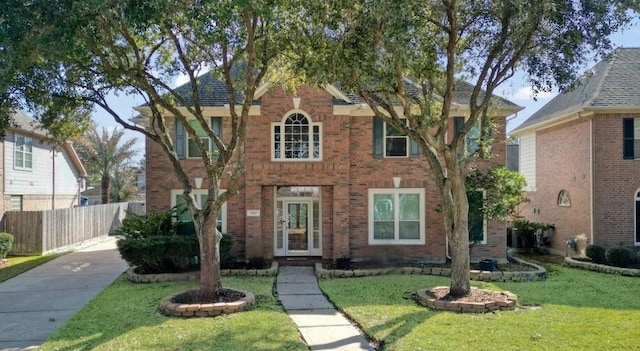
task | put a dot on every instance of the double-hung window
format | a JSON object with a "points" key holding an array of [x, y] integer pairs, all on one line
{"points": [[389, 142], [185, 144], [396, 216], [296, 137], [177, 199], [472, 137], [23, 152]]}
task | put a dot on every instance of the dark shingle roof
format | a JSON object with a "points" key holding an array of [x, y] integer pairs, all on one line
{"points": [[612, 83], [461, 95], [212, 92]]}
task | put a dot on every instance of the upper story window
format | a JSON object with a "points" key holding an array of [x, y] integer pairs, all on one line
{"points": [[388, 142], [296, 138], [472, 137], [185, 144], [23, 152], [631, 138]]}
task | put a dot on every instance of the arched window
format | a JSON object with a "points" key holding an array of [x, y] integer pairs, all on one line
{"points": [[296, 137], [564, 199]]}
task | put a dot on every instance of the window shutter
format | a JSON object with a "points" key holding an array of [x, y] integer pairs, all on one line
{"points": [[628, 138], [180, 140], [378, 138], [458, 122]]}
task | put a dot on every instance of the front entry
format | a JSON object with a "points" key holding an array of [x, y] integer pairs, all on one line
{"points": [[297, 224]]}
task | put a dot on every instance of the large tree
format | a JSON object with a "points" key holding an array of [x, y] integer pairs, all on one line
{"points": [[77, 52], [106, 156], [407, 59]]}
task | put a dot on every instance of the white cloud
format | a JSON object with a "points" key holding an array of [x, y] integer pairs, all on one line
{"points": [[526, 94]]}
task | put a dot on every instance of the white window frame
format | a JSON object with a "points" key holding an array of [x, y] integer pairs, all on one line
{"points": [[197, 193], [26, 142], [484, 218], [385, 136], [281, 124], [189, 138], [396, 192]]}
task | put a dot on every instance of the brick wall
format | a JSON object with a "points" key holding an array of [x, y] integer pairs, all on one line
{"points": [[615, 183], [562, 163]]}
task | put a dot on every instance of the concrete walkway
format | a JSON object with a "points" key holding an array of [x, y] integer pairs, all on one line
{"points": [[321, 326], [36, 303]]}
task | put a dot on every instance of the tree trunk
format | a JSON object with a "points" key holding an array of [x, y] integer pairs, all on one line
{"points": [[209, 238], [105, 184], [455, 213]]}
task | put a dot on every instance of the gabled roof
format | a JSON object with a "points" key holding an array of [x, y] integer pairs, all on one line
{"points": [[214, 92], [612, 84], [24, 123]]}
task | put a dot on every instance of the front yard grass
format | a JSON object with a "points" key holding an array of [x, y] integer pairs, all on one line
{"points": [[21, 264], [571, 310], [124, 317]]}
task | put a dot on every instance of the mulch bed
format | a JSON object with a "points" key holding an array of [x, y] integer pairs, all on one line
{"points": [[511, 266], [476, 295], [193, 297]]}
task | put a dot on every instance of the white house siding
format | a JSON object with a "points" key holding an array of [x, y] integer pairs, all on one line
{"points": [[528, 159], [37, 183]]}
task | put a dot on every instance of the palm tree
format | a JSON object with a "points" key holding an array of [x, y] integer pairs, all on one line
{"points": [[104, 153]]}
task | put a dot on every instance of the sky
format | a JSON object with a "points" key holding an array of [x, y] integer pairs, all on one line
{"points": [[516, 90]]}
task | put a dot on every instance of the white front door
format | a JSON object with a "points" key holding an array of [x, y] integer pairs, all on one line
{"points": [[297, 227]]}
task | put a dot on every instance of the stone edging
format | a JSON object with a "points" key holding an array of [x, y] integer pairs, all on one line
{"points": [[539, 273], [195, 275], [458, 306], [169, 308], [602, 268]]}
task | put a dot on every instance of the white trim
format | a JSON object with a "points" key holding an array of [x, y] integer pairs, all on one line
{"points": [[281, 124], [283, 252], [28, 141], [396, 192], [337, 93], [197, 193]]}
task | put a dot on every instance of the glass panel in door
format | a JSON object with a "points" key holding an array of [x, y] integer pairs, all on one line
{"points": [[297, 228]]}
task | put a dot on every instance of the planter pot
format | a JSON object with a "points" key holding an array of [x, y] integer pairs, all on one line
{"points": [[487, 265]]}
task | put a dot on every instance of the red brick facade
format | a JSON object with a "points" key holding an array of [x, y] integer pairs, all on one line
{"points": [[344, 175], [601, 195]]}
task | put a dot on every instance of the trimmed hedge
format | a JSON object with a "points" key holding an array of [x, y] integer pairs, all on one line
{"points": [[596, 253], [6, 243], [619, 256]]}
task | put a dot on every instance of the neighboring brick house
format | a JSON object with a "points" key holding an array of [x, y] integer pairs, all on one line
{"points": [[580, 154], [34, 176], [323, 179]]}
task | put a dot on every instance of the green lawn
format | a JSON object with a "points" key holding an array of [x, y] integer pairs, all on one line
{"points": [[572, 310], [20, 264], [124, 317]]}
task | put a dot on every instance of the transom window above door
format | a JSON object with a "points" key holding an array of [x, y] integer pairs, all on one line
{"points": [[296, 137]]}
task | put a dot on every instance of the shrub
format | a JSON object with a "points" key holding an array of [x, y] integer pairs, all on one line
{"points": [[6, 243], [136, 226], [226, 258], [638, 256], [596, 253], [618, 256], [258, 263]]}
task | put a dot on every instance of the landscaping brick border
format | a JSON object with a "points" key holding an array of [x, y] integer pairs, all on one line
{"points": [[172, 309], [465, 307], [4, 262], [195, 275], [602, 268], [538, 273]]}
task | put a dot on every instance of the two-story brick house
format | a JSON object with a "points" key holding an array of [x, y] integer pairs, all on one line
{"points": [[323, 179], [580, 155]]}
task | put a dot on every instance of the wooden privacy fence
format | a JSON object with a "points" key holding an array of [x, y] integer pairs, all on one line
{"points": [[38, 232]]}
